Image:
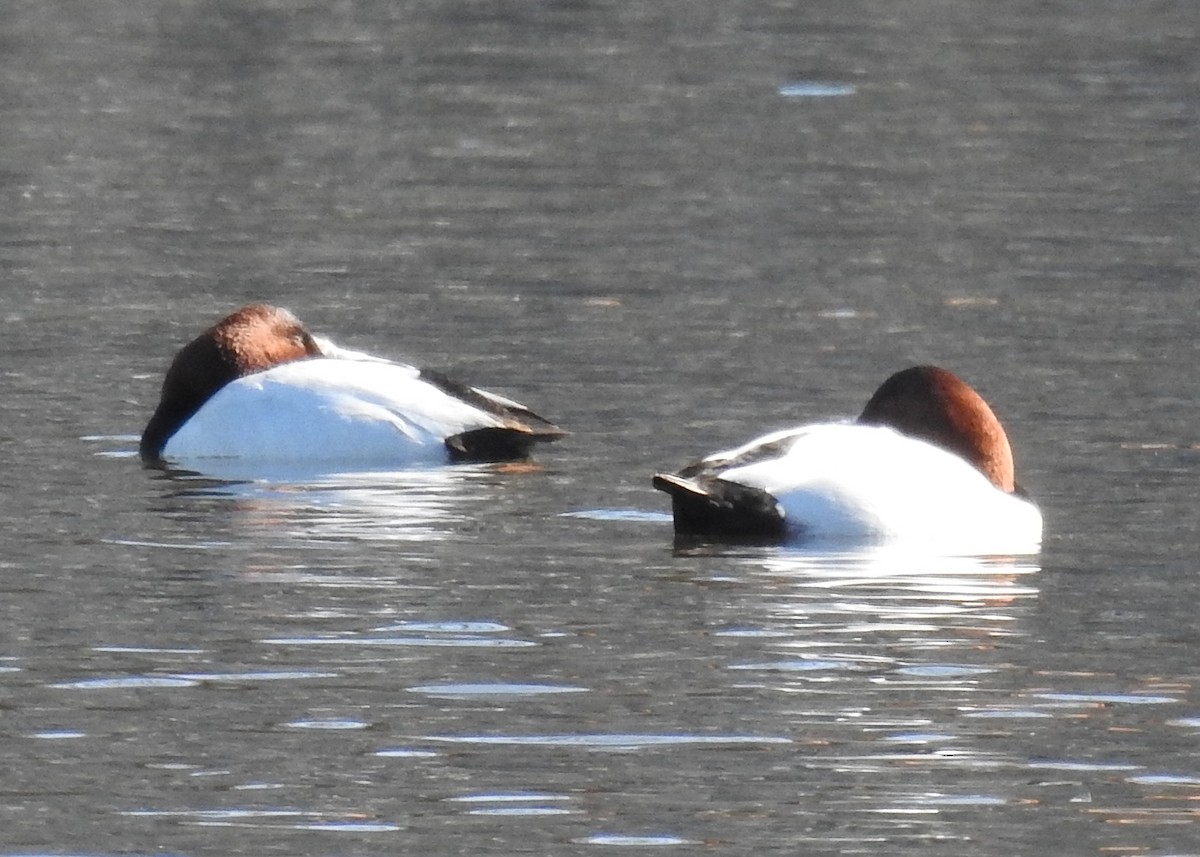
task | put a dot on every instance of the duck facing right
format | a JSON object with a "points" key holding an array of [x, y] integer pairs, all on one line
{"points": [[926, 465]]}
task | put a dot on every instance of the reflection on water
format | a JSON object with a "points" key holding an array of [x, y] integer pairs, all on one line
{"points": [[901, 693], [892, 691], [618, 741], [517, 803], [373, 505], [887, 590], [282, 819], [377, 504], [465, 691], [864, 636], [926, 601], [908, 670], [634, 841]]}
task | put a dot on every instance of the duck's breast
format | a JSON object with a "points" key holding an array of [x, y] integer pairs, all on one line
{"points": [[327, 409], [853, 482]]}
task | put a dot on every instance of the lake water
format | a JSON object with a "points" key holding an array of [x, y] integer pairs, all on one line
{"points": [[668, 226]]}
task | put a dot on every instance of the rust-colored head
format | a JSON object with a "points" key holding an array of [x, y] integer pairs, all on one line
{"points": [[260, 336], [937, 406], [253, 339]]}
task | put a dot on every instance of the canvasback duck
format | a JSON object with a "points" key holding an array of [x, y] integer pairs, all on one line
{"points": [[258, 385], [927, 464]]}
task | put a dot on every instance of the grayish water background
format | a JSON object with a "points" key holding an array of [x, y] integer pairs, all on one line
{"points": [[668, 226]]}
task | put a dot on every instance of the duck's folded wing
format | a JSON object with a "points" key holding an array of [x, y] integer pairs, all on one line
{"points": [[512, 415], [714, 507]]}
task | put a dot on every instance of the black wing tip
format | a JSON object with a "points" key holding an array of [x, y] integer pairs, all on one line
{"points": [[496, 444], [522, 427], [676, 485], [541, 430], [714, 508]]}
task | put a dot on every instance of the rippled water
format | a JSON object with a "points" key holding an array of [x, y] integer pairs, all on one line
{"points": [[669, 227]]}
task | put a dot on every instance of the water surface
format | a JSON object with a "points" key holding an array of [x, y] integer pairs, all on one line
{"points": [[669, 227]]}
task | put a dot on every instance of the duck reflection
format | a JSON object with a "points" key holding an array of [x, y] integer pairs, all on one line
{"points": [[319, 505], [870, 627], [888, 591]]}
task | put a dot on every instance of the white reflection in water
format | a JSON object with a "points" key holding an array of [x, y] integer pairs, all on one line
{"points": [[58, 734], [930, 598], [796, 665], [522, 810], [640, 516], [448, 627], [1107, 698], [508, 798], [515, 804], [611, 741], [468, 691], [439, 642], [407, 753], [328, 724], [178, 680], [320, 505], [959, 800], [350, 826], [253, 676], [146, 650], [954, 579], [272, 818], [943, 670], [885, 653], [872, 623], [1007, 714], [126, 682], [634, 841], [820, 89], [1165, 780], [1068, 765]]}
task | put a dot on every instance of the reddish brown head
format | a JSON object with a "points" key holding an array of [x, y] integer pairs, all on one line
{"points": [[259, 336], [253, 339], [937, 406]]}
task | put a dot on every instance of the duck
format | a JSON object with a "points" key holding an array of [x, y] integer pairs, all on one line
{"points": [[927, 464], [257, 385]]}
